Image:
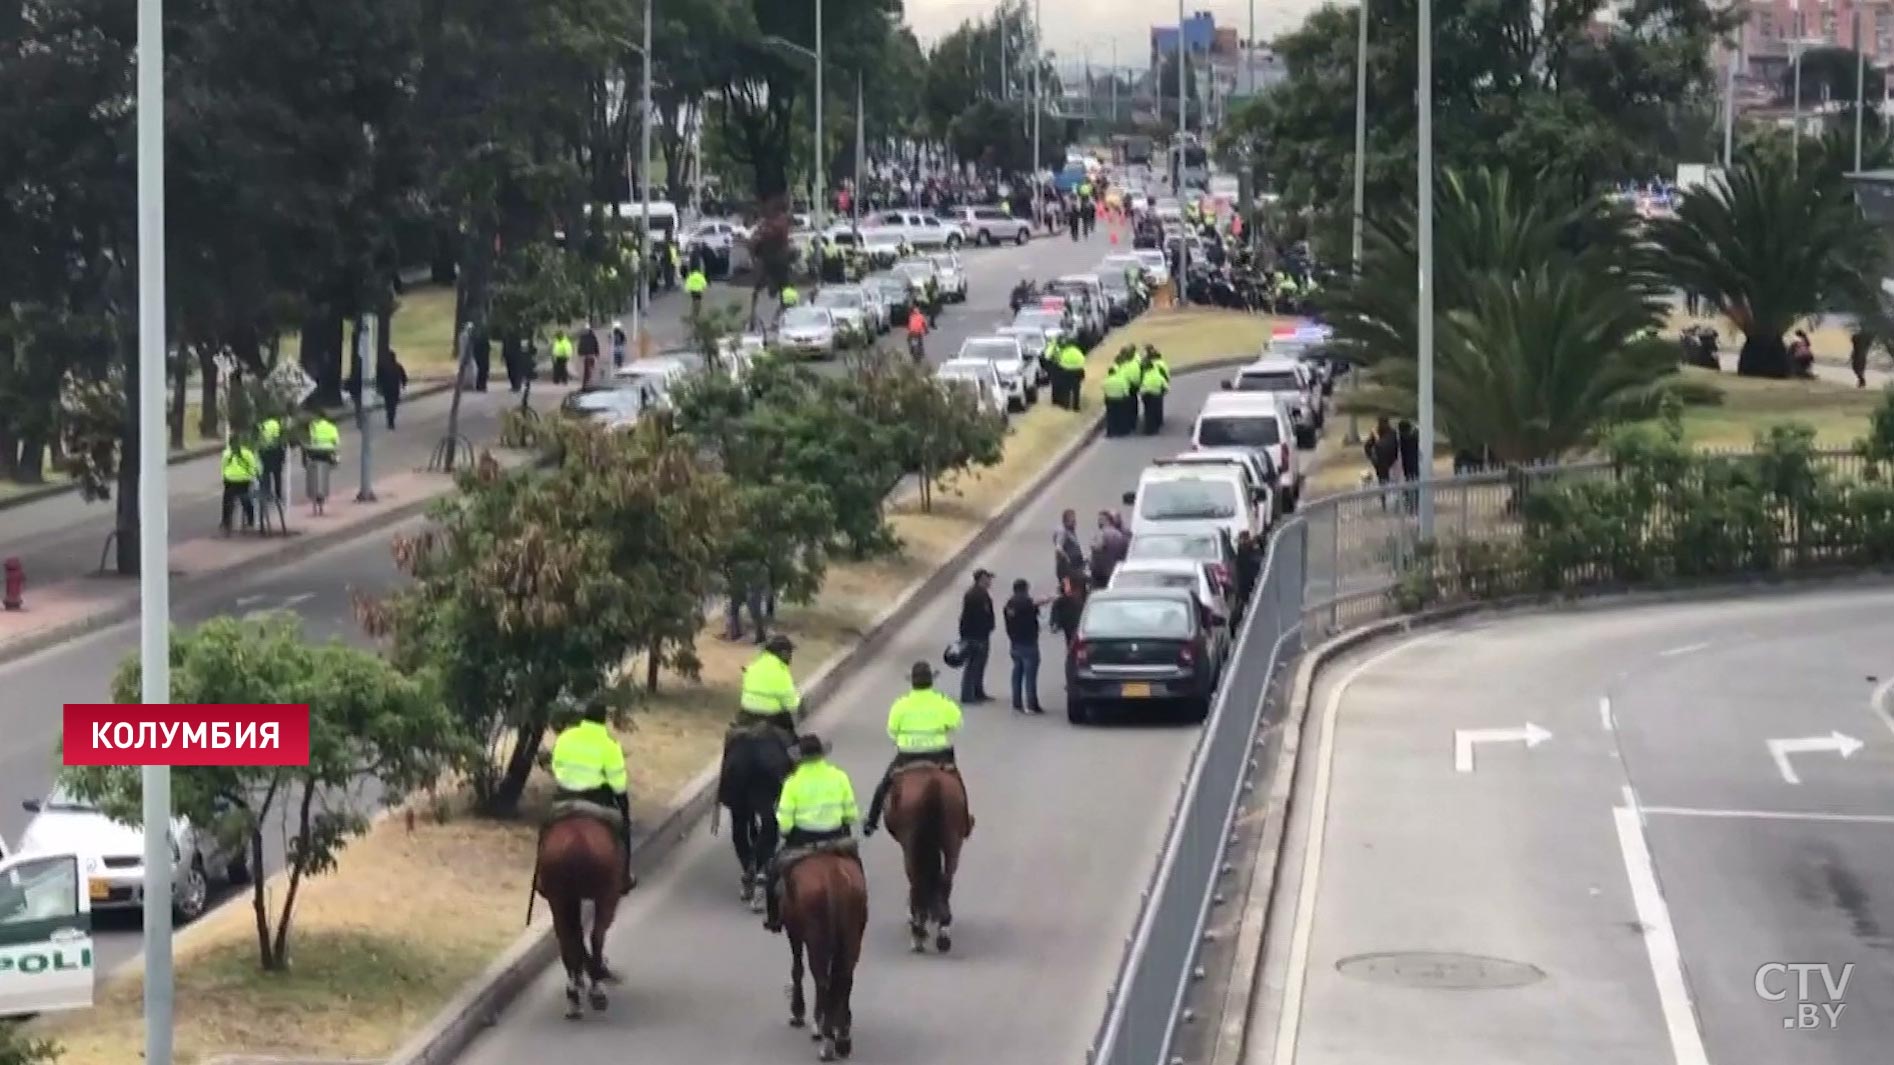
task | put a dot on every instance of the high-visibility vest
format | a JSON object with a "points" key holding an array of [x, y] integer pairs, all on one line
{"points": [[585, 757], [768, 687], [323, 435], [817, 797], [240, 464], [1117, 384], [1071, 358], [269, 431], [1157, 378], [561, 348], [923, 721]]}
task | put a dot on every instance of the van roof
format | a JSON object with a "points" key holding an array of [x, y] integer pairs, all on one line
{"points": [[1201, 471], [1253, 403], [1272, 364]]}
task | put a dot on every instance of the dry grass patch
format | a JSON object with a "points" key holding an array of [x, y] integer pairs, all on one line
{"points": [[423, 904], [422, 332]]}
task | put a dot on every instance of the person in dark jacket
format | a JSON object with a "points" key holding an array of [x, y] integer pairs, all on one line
{"points": [[1249, 565], [1066, 609], [588, 356], [976, 635], [391, 379], [1068, 553], [1109, 548], [1022, 634], [1411, 471]]}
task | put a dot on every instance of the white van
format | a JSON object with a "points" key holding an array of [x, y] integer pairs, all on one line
{"points": [[1291, 378], [1195, 499], [1260, 421]]}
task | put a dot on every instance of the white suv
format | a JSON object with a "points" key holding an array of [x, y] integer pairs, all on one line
{"points": [[1292, 379], [1018, 370], [990, 225], [921, 229]]}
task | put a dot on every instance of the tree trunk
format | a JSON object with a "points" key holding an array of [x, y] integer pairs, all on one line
{"points": [[209, 422], [260, 903], [322, 355], [505, 800], [127, 523], [281, 949], [1763, 355], [32, 460], [9, 451], [651, 664]]}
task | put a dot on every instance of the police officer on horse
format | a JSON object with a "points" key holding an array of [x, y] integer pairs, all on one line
{"points": [[769, 691], [922, 725], [815, 811], [588, 765]]}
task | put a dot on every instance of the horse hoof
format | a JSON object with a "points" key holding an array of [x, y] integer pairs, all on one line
{"points": [[844, 1048], [756, 905], [597, 998], [943, 942], [573, 1013], [795, 1022], [920, 945], [827, 1053]]}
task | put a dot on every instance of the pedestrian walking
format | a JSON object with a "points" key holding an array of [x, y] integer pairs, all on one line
{"points": [[321, 447], [1022, 635], [1411, 468], [391, 380], [273, 451], [976, 635], [619, 343], [588, 356], [1383, 449], [1858, 345], [482, 359]]}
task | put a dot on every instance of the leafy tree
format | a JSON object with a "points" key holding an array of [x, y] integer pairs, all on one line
{"points": [[1529, 87], [779, 539], [992, 134], [937, 432], [531, 588], [987, 59], [1546, 316], [1767, 247], [367, 722]]}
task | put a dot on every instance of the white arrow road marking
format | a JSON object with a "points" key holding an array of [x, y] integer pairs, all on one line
{"points": [[1464, 739], [1688, 648], [1604, 714], [288, 602], [1833, 743]]}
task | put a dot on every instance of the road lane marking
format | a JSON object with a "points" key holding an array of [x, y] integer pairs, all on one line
{"points": [[1296, 979], [1833, 743], [1660, 941], [1772, 815], [1689, 648], [1877, 702], [1464, 739], [1604, 714]]}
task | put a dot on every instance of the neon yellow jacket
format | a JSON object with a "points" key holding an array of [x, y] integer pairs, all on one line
{"points": [[923, 720], [586, 756], [817, 797]]}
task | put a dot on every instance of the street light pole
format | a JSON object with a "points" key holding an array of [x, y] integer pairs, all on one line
{"points": [[1361, 180], [154, 529], [644, 194], [821, 177], [1425, 281], [1729, 104], [1038, 105], [1861, 86], [1795, 140]]}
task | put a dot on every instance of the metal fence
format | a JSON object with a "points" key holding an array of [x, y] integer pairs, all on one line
{"points": [[1339, 564]]}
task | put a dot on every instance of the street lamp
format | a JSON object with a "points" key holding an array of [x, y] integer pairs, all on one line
{"points": [[1361, 177], [1424, 202], [814, 55], [644, 176]]}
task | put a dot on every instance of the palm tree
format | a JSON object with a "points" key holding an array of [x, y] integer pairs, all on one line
{"points": [[1546, 316], [1767, 247]]}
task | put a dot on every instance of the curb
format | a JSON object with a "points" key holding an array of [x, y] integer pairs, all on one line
{"points": [[480, 1003], [1241, 1009], [197, 451]]}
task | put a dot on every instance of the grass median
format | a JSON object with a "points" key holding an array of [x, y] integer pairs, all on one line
{"points": [[429, 897]]}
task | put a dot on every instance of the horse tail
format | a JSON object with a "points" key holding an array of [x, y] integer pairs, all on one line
{"points": [[929, 843]]}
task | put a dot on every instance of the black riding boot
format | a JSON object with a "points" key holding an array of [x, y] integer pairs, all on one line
{"points": [[772, 904], [879, 800]]}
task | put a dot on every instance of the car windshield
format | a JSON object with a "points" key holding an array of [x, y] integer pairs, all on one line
{"points": [[1187, 499], [629, 380], [1152, 259], [1114, 281], [1151, 578], [1250, 430], [1161, 545], [1272, 381], [805, 318], [1135, 619], [991, 350], [833, 298], [65, 801], [914, 271], [1038, 320]]}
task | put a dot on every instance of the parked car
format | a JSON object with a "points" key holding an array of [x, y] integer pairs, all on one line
{"points": [[1142, 646], [1121, 300], [1192, 575], [725, 244], [884, 247], [896, 293], [1056, 323], [1157, 266], [921, 229], [921, 276], [1257, 468], [1293, 380], [47, 916], [1018, 368], [880, 315], [1195, 499], [990, 225], [980, 378], [112, 855], [849, 309], [953, 278], [1260, 421], [809, 331], [1035, 341], [605, 406]]}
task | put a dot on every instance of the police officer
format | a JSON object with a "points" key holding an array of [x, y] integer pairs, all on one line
{"points": [[922, 725], [1117, 392], [769, 691], [1151, 389], [1072, 369], [319, 455], [562, 351], [588, 764], [269, 434], [240, 470], [695, 285], [816, 805]]}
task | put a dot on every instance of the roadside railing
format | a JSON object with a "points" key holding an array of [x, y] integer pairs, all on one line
{"points": [[1344, 562]]}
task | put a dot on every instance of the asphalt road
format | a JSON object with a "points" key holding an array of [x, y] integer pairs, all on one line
{"points": [[1649, 861], [318, 588], [1069, 821]]}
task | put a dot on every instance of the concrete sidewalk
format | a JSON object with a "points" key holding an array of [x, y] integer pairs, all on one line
{"points": [[59, 540]]}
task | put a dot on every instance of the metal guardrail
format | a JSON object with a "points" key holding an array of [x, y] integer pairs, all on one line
{"points": [[1336, 566]]}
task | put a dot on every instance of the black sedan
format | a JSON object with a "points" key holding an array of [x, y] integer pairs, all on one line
{"points": [[1141, 646]]}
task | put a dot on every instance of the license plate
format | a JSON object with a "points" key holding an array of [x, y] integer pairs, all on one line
{"points": [[1137, 691], [99, 889]]}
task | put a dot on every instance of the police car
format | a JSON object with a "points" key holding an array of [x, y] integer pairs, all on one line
{"points": [[45, 934]]}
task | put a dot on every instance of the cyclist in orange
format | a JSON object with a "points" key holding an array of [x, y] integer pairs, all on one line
{"points": [[917, 331]]}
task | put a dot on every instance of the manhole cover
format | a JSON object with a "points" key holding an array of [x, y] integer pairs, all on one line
{"points": [[1444, 971]]}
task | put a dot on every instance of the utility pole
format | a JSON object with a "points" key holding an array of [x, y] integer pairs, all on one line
{"points": [[1861, 86], [1038, 107], [367, 356], [1425, 288], [816, 211], [1729, 103], [154, 526], [1795, 140], [1361, 180]]}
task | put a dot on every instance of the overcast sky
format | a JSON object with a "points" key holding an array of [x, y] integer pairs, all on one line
{"points": [[1073, 26]]}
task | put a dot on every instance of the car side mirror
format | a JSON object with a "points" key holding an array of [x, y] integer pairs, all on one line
{"points": [[1130, 498], [31, 806]]}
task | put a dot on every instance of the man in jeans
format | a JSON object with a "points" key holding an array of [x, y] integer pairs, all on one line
{"points": [[1022, 631], [976, 633]]}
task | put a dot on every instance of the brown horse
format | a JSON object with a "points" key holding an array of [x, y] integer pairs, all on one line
{"points": [[579, 862], [927, 815], [825, 908]]}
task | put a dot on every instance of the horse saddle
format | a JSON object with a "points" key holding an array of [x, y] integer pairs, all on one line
{"points": [[789, 856], [924, 762], [749, 727], [565, 808]]}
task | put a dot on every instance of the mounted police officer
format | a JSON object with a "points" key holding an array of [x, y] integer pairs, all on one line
{"points": [[816, 809]]}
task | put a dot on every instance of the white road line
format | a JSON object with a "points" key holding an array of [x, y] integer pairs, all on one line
{"points": [[1773, 815], [1877, 702], [1296, 978], [1604, 713], [1684, 650], [1660, 941]]}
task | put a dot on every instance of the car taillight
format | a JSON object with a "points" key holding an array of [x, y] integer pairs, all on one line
{"points": [[1187, 655], [1081, 653]]}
